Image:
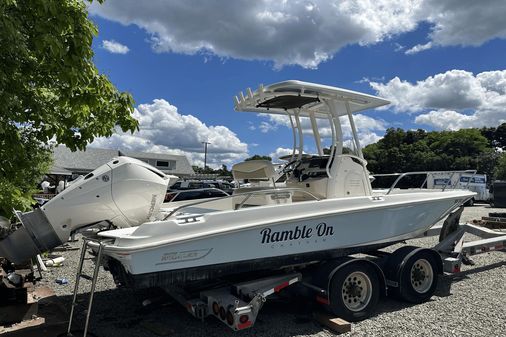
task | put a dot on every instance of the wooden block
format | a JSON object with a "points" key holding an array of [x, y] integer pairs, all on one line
{"points": [[491, 218], [335, 324], [493, 224], [30, 323]]}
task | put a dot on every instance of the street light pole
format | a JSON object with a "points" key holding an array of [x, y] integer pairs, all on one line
{"points": [[205, 153]]}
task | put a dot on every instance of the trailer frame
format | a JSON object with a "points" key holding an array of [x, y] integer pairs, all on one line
{"points": [[237, 304]]}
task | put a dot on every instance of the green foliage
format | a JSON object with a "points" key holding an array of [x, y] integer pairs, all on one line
{"points": [[47, 77], [50, 90], [346, 150], [222, 171], [258, 157], [495, 136], [500, 169], [404, 151], [487, 162], [197, 169], [20, 173]]}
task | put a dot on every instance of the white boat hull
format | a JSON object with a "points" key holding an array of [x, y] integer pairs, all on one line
{"points": [[314, 226]]}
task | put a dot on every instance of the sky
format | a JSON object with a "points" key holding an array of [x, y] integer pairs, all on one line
{"points": [[442, 64]]}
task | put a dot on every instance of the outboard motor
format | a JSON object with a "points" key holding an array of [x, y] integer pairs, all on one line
{"points": [[124, 192]]}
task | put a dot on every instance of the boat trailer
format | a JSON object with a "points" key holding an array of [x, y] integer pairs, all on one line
{"points": [[238, 304]]}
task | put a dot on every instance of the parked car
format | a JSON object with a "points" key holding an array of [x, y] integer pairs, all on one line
{"points": [[222, 185], [188, 185]]}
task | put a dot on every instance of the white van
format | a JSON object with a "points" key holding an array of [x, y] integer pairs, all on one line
{"points": [[476, 183]]}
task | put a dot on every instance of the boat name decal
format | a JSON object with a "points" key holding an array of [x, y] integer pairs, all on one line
{"points": [[298, 233]]}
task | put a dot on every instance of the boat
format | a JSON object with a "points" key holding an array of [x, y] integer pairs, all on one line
{"points": [[325, 208]]}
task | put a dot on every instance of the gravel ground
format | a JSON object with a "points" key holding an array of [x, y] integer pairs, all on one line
{"points": [[476, 306]]}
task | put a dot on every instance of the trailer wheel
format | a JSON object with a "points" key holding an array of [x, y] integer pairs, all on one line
{"points": [[419, 277], [354, 292]]}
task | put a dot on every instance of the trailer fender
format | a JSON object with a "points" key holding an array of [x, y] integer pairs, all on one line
{"points": [[354, 289]]}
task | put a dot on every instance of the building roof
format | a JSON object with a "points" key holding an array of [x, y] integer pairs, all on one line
{"points": [[91, 158], [81, 161], [60, 171], [150, 155], [183, 166]]}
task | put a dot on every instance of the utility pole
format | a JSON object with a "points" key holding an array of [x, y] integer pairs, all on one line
{"points": [[205, 153]]}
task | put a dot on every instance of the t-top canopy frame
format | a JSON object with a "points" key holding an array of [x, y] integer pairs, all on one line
{"points": [[309, 97], [297, 99]]}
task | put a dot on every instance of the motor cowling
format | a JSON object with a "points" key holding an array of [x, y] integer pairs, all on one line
{"points": [[125, 192]]}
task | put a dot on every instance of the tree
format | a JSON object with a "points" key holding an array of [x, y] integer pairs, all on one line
{"points": [[50, 90], [487, 162], [488, 133], [500, 169], [223, 171], [197, 169], [500, 136], [17, 187], [404, 151], [326, 151], [258, 157], [495, 136]]}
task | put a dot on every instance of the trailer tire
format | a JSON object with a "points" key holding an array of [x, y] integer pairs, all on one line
{"points": [[418, 277], [354, 292]]}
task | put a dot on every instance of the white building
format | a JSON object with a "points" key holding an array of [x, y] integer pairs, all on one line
{"points": [[67, 162]]}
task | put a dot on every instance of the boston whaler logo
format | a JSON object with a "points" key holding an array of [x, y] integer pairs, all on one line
{"points": [[188, 255], [298, 233]]}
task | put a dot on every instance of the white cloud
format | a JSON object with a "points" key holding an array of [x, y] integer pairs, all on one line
{"points": [[372, 79], [446, 119], [164, 129], [465, 22], [418, 48], [266, 127], [368, 138], [285, 32], [454, 89], [114, 47], [279, 152], [451, 100], [305, 33], [398, 47], [461, 22]]}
